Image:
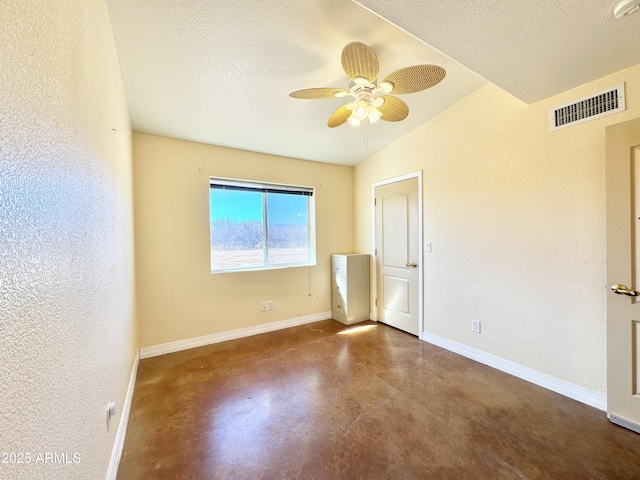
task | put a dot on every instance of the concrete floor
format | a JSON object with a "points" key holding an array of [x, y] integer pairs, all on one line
{"points": [[326, 401]]}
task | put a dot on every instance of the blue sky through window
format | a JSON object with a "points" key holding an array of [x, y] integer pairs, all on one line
{"points": [[235, 205], [247, 206]]}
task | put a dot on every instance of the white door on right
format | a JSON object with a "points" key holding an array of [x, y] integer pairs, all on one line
{"points": [[397, 254], [623, 274]]}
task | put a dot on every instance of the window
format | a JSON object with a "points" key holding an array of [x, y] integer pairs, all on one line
{"points": [[260, 225]]}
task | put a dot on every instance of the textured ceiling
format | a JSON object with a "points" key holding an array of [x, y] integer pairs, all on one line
{"points": [[221, 73], [531, 49]]}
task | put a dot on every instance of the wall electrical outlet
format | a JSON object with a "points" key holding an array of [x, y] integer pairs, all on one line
{"points": [[264, 306], [475, 326], [270, 305]]}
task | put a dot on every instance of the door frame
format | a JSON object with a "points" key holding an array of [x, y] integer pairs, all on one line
{"points": [[374, 273]]}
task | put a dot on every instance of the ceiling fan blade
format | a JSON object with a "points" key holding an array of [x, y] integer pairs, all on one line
{"points": [[339, 116], [314, 93], [415, 78], [358, 60], [393, 109]]}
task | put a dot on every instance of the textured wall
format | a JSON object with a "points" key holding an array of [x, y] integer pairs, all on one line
{"points": [[67, 329], [516, 217], [177, 296]]}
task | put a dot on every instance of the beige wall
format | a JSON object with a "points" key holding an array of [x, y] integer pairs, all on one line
{"points": [[516, 217], [178, 297], [67, 326]]}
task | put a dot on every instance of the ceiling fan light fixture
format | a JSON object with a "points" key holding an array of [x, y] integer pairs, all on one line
{"points": [[625, 7], [374, 114], [353, 121], [361, 110]]}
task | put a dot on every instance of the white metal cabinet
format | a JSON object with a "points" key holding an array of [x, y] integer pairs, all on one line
{"points": [[350, 287]]}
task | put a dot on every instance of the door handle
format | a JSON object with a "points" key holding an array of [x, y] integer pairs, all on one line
{"points": [[621, 289], [412, 265]]}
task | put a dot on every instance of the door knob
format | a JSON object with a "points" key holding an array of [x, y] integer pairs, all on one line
{"points": [[412, 265], [621, 289]]}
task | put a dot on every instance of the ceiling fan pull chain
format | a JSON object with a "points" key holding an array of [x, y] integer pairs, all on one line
{"points": [[365, 131]]}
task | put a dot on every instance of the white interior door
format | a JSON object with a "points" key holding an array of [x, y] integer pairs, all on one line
{"points": [[398, 254], [623, 270]]}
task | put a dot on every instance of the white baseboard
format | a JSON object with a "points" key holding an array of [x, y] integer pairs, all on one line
{"points": [[116, 453], [155, 350], [581, 394]]}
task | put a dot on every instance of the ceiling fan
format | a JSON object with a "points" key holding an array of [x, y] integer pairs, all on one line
{"points": [[373, 101]]}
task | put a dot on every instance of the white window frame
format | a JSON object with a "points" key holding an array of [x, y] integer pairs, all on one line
{"points": [[268, 187]]}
